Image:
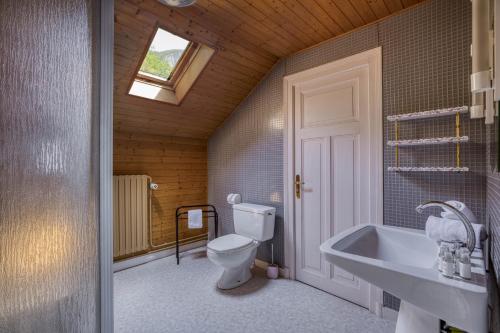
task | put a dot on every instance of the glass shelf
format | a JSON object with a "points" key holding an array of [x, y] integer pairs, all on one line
{"points": [[428, 141], [429, 114], [428, 169]]}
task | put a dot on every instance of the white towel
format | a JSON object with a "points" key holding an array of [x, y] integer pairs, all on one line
{"points": [[448, 230], [195, 219], [448, 214]]}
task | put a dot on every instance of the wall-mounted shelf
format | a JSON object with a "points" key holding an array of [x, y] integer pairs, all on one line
{"points": [[456, 140], [429, 114], [428, 169], [428, 141]]}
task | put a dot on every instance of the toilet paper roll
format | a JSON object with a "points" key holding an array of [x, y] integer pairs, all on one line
{"points": [[233, 199], [236, 199]]}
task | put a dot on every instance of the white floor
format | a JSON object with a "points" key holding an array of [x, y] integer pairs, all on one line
{"points": [[162, 297]]}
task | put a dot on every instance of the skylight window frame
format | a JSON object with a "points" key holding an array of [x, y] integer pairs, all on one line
{"points": [[178, 69], [187, 71]]}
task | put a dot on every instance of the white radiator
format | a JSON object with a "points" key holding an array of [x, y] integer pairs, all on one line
{"points": [[130, 214]]}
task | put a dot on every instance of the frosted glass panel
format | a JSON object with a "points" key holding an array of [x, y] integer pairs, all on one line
{"points": [[48, 225]]}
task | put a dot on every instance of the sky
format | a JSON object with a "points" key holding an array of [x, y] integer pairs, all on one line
{"points": [[164, 40]]}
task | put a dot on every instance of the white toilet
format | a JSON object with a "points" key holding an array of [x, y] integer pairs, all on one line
{"points": [[236, 252]]}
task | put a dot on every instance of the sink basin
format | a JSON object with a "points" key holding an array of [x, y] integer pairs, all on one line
{"points": [[403, 262]]}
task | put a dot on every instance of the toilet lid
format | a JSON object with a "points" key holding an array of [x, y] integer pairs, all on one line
{"points": [[229, 242]]}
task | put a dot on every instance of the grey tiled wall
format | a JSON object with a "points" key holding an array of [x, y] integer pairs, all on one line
{"points": [[245, 156], [493, 214], [425, 66], [493, 195]]}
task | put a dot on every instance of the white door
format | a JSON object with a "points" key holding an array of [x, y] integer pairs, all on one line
{"points": [[334, 167]]}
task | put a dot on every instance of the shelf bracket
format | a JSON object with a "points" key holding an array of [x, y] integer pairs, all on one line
{"points": [[396, 130], [457, 133]]}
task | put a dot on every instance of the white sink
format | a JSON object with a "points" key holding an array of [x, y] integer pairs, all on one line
{"points": [[403, 262]]}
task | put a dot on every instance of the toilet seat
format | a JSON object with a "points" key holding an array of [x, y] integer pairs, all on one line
{"points": [[230, 243]]}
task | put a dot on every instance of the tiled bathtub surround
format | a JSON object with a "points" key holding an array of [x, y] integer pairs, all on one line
{"points": [[426, 66]]}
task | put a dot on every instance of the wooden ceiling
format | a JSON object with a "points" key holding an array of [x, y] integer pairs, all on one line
{"points": [[249, 35]]}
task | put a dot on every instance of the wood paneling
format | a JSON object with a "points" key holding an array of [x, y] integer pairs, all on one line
{"points": [[168, 142], [249, 35], [177, 165]]}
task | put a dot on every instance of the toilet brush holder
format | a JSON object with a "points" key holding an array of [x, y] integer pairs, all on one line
{"points": [[272, 271]]}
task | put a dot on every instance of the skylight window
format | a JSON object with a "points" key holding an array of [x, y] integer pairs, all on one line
{"points": [[164, 53], [169, 67]]}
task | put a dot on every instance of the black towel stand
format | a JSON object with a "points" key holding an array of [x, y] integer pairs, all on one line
{"points": [[207, 210]]}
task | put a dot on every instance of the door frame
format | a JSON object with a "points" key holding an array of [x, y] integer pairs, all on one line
{"points": [[104, 23], [371, 57]]}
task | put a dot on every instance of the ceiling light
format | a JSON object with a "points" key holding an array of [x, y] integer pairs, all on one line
{"points": [[177, 3]]}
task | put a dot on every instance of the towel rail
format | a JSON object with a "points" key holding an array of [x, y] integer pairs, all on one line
{"points": [[208, 211]]}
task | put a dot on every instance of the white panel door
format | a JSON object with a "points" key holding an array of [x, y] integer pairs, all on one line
{"points": [[332, 159]]}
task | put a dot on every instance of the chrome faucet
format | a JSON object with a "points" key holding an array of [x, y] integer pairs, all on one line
{"points": [[471, 235]]}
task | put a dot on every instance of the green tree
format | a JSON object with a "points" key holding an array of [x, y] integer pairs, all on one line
{"points": [[155, 65]]}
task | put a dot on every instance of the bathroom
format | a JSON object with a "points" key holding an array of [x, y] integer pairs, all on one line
{"points": [[221, 193]]}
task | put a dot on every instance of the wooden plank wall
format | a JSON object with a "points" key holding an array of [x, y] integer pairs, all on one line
{"points": [[177, 165]]}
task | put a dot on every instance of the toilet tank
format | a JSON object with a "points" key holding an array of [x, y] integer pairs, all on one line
{"points": [[254, 221]]}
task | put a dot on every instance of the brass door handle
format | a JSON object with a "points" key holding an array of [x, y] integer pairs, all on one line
{"points": [[298, 186]]}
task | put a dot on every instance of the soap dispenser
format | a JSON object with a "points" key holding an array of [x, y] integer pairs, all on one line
{"points": [[448, 264], [464, 265], [443, 248]]}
